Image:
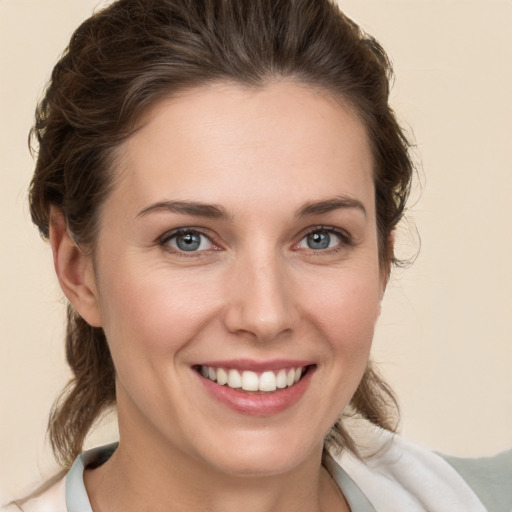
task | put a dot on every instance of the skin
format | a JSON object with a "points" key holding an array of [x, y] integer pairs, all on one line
{"points": [[254, 290]]}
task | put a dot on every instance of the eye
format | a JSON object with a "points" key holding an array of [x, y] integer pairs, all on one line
{"points": [[322, 239], [187, 241]]}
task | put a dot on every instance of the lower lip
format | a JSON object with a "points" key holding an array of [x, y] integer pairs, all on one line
{"points": [[264, 404]]}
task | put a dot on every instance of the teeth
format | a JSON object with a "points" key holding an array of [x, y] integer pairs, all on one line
{"points": [[267, 382], [222, 376], [250, 381], [281, 379], [234, 379]]}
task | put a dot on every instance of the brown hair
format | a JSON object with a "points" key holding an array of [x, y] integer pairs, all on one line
{"points": [[130, 55]]}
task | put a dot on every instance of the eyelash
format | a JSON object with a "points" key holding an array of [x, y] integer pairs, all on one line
{"points": [[345, 238], [345, 241], [167, 237]]}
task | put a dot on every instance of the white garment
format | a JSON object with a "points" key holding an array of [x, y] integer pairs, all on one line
{"points": [[399, 477], [403, 477]]}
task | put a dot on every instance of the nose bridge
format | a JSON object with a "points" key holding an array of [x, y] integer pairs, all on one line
{"points": [[261, 295]]}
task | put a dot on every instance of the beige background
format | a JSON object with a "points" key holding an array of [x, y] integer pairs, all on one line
{"points": [[445, 337]]}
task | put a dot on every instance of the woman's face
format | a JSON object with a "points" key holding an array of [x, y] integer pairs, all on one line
{"points": [[239, 244]]}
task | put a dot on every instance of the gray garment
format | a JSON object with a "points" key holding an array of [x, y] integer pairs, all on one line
{"points": [[489, 477]]}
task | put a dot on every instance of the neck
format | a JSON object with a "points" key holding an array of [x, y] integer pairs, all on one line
{"points": [[151, 471], [147, 478]]}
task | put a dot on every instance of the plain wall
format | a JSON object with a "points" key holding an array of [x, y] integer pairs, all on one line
{"points": [[444, 338]]}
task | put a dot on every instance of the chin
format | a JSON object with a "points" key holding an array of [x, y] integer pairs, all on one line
{"points": [[261, 454]]}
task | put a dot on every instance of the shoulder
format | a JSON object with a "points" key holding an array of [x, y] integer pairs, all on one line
{"points": [[489, 477], [395, 474], [50, 497], [65, 488]]}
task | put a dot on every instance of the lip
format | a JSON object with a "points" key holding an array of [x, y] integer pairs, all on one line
{"points": [[258, 404]]}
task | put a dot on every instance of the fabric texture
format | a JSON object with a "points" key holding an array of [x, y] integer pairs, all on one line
{"points": [[403, 477], [394, 476], [489, 477]]}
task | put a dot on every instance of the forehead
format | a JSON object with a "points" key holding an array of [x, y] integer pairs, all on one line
{"points": [[224, 143]]}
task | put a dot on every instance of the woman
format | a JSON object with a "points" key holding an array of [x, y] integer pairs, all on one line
{"points": [[220, 183]]}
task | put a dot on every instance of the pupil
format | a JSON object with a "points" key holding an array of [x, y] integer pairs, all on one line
{"points": [[319, 240], [188, 241]]}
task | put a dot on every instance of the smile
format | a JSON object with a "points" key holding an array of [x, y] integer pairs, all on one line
{"points": [[248, 380], [256, 388]]}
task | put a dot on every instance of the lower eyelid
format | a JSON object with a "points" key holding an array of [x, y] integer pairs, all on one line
{"points": [[344, 238], [165, 239]]}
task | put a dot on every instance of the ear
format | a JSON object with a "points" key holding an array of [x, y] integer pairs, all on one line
{"points": [[74, 270]]}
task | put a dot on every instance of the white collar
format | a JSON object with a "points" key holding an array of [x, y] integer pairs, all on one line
{"points": [[395, 475], [399, 476]]}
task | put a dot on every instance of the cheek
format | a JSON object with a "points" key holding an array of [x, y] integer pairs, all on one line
{"points": [[346, 309], [154, 310]]}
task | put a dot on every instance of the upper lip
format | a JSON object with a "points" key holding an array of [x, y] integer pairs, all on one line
{"points": [[257, 366]]}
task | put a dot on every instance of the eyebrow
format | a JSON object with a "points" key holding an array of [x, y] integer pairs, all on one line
{"points": [[213, 211], [193, 208], [329, 205]]}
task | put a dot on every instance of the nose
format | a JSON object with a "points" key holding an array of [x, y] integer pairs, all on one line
{"points": [[260, 299]]}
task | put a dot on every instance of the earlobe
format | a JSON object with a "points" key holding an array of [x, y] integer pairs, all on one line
{"points": [[74, 270]]}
